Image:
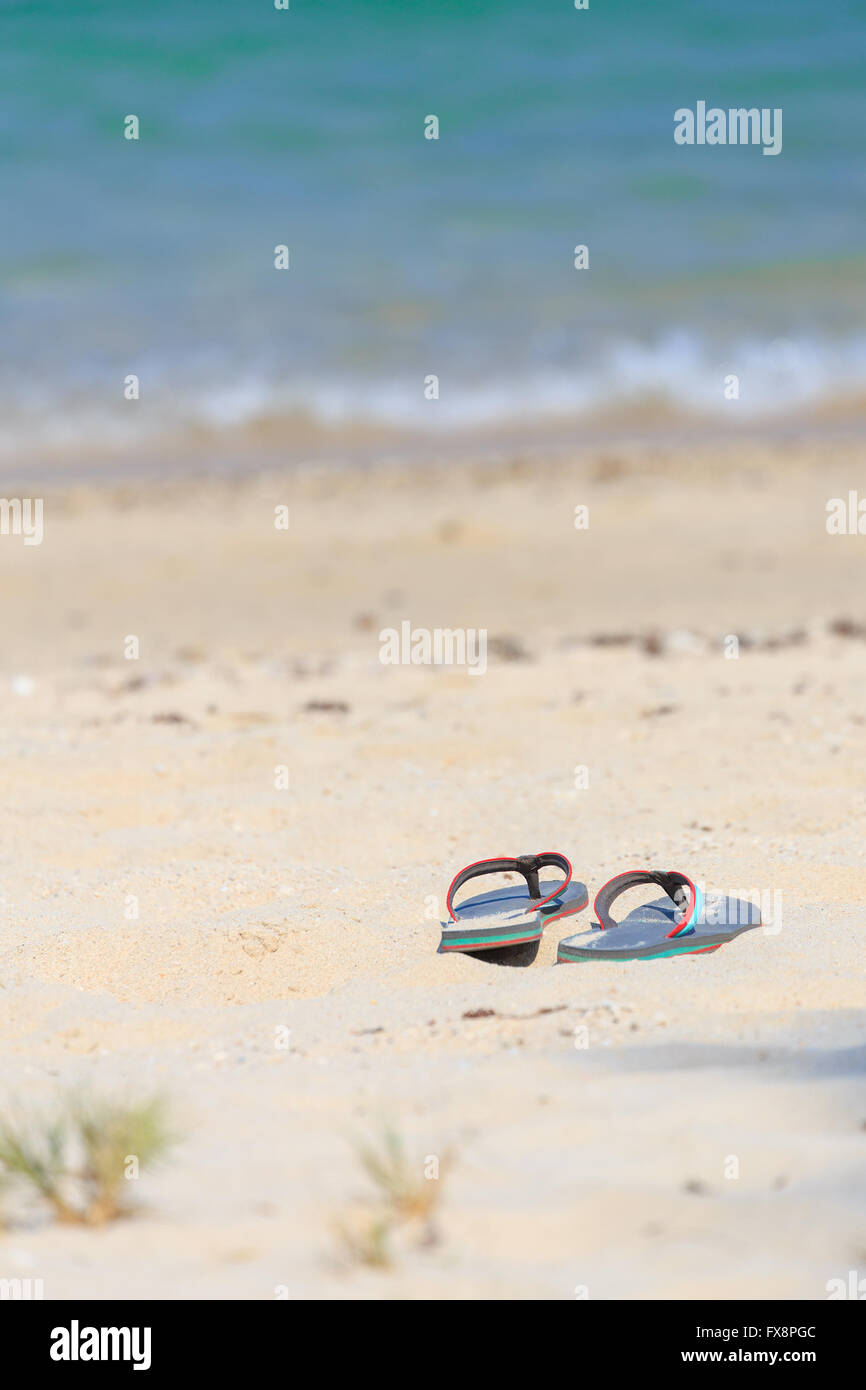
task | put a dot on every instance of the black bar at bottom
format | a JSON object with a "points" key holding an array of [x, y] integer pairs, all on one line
{"points": [[159, 1339]]}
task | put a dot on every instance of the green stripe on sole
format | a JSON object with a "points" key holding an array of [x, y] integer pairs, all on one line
{"points": [[656, 955]]}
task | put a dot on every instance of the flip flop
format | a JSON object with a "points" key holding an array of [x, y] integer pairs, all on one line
{"points": [[513, 915], [683, 923]]}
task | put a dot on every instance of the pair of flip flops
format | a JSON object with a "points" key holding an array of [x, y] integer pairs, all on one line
{"points": [[684, 922]]}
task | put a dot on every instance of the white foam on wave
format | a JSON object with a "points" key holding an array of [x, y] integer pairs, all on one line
{"points": [[677, 372]]}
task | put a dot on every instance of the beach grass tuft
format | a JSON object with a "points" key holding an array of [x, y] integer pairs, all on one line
{"points": [[77, 1159], [403, 1203]]}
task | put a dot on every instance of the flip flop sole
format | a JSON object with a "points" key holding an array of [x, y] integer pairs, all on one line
{"points": [[575, 955], [488, 941], [512, 924], [643, 934]]}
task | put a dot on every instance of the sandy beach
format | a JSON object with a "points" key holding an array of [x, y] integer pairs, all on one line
{"points": [[266, 956]]}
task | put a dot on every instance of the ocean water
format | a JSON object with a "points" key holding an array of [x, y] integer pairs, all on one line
{"points": [[412, 257]]}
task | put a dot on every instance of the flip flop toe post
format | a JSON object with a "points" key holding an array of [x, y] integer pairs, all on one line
{"points": [[515, 914], [684, 922]]}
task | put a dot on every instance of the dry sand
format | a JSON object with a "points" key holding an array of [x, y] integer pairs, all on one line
{"points": [[602, 1166]]}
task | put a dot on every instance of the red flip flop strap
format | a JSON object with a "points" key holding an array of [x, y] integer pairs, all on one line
{"points": [[671, 881], [527, 865]]}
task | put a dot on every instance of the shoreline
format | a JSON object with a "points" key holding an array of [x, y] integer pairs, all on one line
{"points": [[203, 457]]}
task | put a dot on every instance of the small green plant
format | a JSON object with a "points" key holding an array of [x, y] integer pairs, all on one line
{"points": [[404, 1200], [111, 1135], [365, 1241], [32, 1152], [76, 1160]]}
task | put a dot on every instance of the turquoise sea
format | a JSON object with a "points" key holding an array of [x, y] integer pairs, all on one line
{"points": [[412, 257]]}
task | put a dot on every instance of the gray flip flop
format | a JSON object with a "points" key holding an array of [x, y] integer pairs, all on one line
{"points": [[510, 916], [683, 923]]}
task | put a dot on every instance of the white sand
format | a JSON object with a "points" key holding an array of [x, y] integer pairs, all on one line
{"points": [[600, 1166]]}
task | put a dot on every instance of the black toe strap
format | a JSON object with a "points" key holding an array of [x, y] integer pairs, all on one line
{"points": [[679, 889], [526, 864]]}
